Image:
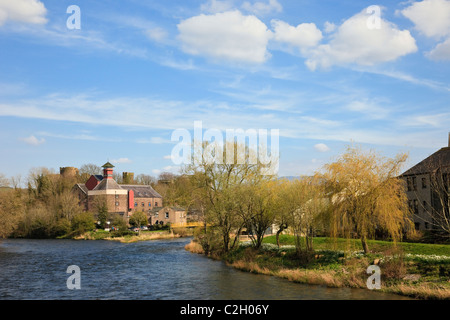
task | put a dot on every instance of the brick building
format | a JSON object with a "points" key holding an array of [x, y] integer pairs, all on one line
{"points": [[123, 199]]}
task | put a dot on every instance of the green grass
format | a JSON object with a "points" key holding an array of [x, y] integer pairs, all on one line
{"points": [[323, 243]]}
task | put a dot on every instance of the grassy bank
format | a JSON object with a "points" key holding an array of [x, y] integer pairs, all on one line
{"points": [[128, 237], [416, 270]]}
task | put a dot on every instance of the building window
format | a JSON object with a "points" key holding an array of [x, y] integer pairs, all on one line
{"points": [[117, 203], [156, 204], [416, 206], [149, 204], [117, 196], [409, 183], [143, 204], [426, 225], [414, 183], [424, 183], [425, 206], [135, 204], [167, 215]]}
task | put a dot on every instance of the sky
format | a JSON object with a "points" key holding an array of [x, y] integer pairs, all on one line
{"points": [[96, 81]]}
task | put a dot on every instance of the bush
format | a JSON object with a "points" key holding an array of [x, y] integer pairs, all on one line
{"points": [[209, 240], [61, 228], [83, 222], [138, 219]]}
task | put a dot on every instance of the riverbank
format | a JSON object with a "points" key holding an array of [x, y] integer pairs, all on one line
{"points": [[402, 272], [133, 236]]}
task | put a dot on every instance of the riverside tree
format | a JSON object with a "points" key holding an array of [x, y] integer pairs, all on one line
{"points": [[221, 185], [257, 200], [366, 195], [302, 202]]}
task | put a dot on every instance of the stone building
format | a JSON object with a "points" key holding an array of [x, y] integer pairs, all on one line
{"points": [[427, 185], [172, 215], [123, 199]]}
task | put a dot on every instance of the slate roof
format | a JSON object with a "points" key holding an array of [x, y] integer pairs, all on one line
{"points": [[440, 158], [83, 187], [108, 184], [141, 191]]}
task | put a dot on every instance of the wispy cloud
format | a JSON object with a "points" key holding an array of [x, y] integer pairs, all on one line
{"points": [[121, 160], [32, 140]]}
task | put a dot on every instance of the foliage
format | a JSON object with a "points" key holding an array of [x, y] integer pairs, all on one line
{"points": [[83, 222], [366, 195], [138, 219]]}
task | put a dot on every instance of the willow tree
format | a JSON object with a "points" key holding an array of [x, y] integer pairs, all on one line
{"points": [[366, 195]]}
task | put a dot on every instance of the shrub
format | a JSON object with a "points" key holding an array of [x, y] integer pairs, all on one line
{"points": [[83, 222]]}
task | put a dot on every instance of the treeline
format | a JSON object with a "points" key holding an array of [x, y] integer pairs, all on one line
{"points": [[356, 196], [44, 206]]}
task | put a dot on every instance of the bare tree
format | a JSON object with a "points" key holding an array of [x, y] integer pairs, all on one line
{"points": [[4, 182]]}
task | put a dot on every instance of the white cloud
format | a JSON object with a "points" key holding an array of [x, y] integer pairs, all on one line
{"points": [[168, 157], [27, 11], [329, 27], [172, 169], [431, 17], [154, 140], [321, 147], [121, 160], [354, 42], [157, 34], [370, 108], [441, 51], [262, 8], [216, 6], [302, 36], [229, 35], [33, 141]]}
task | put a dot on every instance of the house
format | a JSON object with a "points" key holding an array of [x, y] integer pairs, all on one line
{"points": [[172, 215], [427, 188], [123, 199]]}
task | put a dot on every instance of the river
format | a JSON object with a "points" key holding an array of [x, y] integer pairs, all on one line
{"points": [[147, 270]]}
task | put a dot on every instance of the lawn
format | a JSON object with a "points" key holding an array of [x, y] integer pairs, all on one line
{"points": [[340, 244]]}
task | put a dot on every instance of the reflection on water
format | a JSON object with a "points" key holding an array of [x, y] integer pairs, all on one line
{"points": [[36, 269]]}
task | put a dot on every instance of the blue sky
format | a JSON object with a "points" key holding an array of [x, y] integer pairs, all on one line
{"points": [[325, 73]]}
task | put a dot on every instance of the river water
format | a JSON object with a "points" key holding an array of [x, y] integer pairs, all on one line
{"points": [[148, 270]]}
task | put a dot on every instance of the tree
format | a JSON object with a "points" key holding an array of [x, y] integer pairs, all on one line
{"points": [[13, 207], [82, 222], [366, 194], [87, 170], [101, 208], [138, 219], [281, 217], [257, 200], [302, 202], [220, 183], [4, 182], [145, 179]]}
